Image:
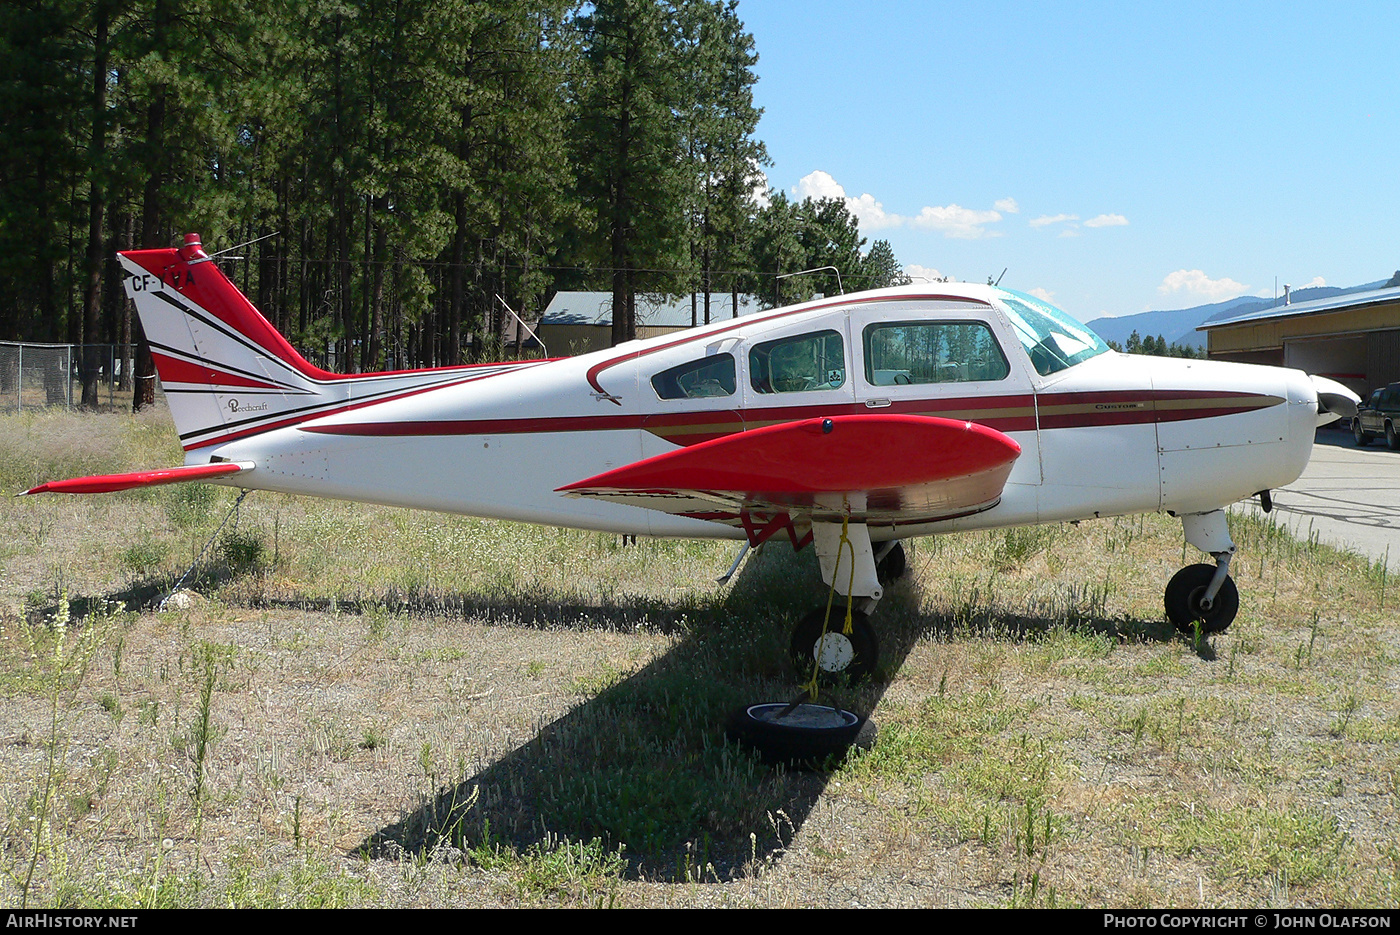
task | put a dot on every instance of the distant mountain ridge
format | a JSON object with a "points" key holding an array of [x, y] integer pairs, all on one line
{"points": [[1179, 325]]}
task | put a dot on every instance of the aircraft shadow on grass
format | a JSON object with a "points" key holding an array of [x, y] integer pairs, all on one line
{"points": [[645, 765]]}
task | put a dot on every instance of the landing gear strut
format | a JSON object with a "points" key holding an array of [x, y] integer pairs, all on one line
{"points": [[833, 643], [1202, 596], [855, 570]]}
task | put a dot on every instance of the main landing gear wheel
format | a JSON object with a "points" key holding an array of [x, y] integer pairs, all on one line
{"points": [[892, 566], [834, 652], [1185, 595], [802, 734]]}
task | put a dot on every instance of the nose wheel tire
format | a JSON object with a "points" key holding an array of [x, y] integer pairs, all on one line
{"points": [[834, 653], [1185, 599]]}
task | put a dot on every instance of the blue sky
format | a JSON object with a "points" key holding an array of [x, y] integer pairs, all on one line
{"points": [[1114, 157]]}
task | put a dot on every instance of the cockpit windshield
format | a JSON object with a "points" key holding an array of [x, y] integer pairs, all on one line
{"points": [[1053, 340]]}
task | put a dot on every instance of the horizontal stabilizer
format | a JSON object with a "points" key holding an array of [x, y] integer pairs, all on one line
{"points": [[864, 466], [106, 483]]}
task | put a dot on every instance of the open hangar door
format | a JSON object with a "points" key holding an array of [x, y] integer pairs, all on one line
{"points": [[1343, 358]]}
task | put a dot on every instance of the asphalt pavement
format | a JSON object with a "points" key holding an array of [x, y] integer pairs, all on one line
{"points": [[1348, 496]]}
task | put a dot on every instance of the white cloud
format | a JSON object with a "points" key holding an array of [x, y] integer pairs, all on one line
{"points": [[922, 273], [871, 213], [1107, 220], [1008, 205], [1044, 295], [957, 221], [953, 220], [1195, 282], [1316, 281], [1070, 231], [1045, 219], [818, 185]]}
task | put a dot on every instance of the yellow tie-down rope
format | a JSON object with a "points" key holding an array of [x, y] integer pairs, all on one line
{"points": [[845, 543]]}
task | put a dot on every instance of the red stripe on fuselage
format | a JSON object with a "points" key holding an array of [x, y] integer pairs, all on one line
{"points": [[1020, 418], [261, 427]]}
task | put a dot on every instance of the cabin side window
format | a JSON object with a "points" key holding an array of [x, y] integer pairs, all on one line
{"points": [[916, 352], [697, 379], [799, 364]]}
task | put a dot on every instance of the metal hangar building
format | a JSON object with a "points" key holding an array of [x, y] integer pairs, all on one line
{"points": [[1352, 338]]}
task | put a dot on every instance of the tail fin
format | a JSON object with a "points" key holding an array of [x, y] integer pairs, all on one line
{"points": [[226, 371]]}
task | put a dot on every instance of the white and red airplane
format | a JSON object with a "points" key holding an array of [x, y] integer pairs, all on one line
{"points": [[862, 420]]}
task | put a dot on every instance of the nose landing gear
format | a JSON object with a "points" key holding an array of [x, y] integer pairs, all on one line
{"points": [[1189, 602], [1201, 596]]}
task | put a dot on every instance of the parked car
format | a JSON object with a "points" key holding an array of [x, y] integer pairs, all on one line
{"points": [[1378, 417]]}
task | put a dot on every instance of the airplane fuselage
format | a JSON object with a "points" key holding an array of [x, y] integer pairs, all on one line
{"points": [[1109, 434]]}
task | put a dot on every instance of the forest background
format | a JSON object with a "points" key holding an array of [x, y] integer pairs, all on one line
{"points": [[397, 171]]}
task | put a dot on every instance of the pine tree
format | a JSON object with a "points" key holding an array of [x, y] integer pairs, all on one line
{"points": [[627, 140], [880, 269]]}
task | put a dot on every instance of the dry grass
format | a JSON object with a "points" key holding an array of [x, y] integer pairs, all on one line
{"points": [[380, 707]]}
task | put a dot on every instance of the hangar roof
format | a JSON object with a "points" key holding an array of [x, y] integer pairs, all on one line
{"points": [[595, 308], [1316, 306]]}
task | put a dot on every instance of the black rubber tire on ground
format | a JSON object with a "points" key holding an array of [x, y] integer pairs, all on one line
{"points": [[1391, 439], [892, 567], [1362, 439], [810, 735], [1183, 601], [853, 657]]}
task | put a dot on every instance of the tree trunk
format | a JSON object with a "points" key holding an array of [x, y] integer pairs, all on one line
{"points": [[144, 392], [97, 203]]}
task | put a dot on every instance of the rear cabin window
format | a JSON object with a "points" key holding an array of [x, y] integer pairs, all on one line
{"points": [[913, 352], [799, 364], [697, 379]]}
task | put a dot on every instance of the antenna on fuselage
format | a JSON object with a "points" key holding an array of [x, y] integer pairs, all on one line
{"points": [[1003, 273], [840, 288], [237, 246], [522, 324]]}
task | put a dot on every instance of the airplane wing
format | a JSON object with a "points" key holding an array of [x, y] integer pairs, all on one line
{"points": [[874, 468], [106, 483]]}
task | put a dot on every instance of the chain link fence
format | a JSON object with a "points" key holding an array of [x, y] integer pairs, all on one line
{"points": [[35, 376]]}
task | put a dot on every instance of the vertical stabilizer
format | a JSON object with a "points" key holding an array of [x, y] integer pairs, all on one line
{"points": [[227, 372]]}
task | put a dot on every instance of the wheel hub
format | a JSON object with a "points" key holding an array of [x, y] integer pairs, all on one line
{"points": [[834, 652]]}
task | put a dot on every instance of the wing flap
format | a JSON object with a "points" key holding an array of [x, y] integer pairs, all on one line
{"points": [[872, 467], [107, 483]]}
